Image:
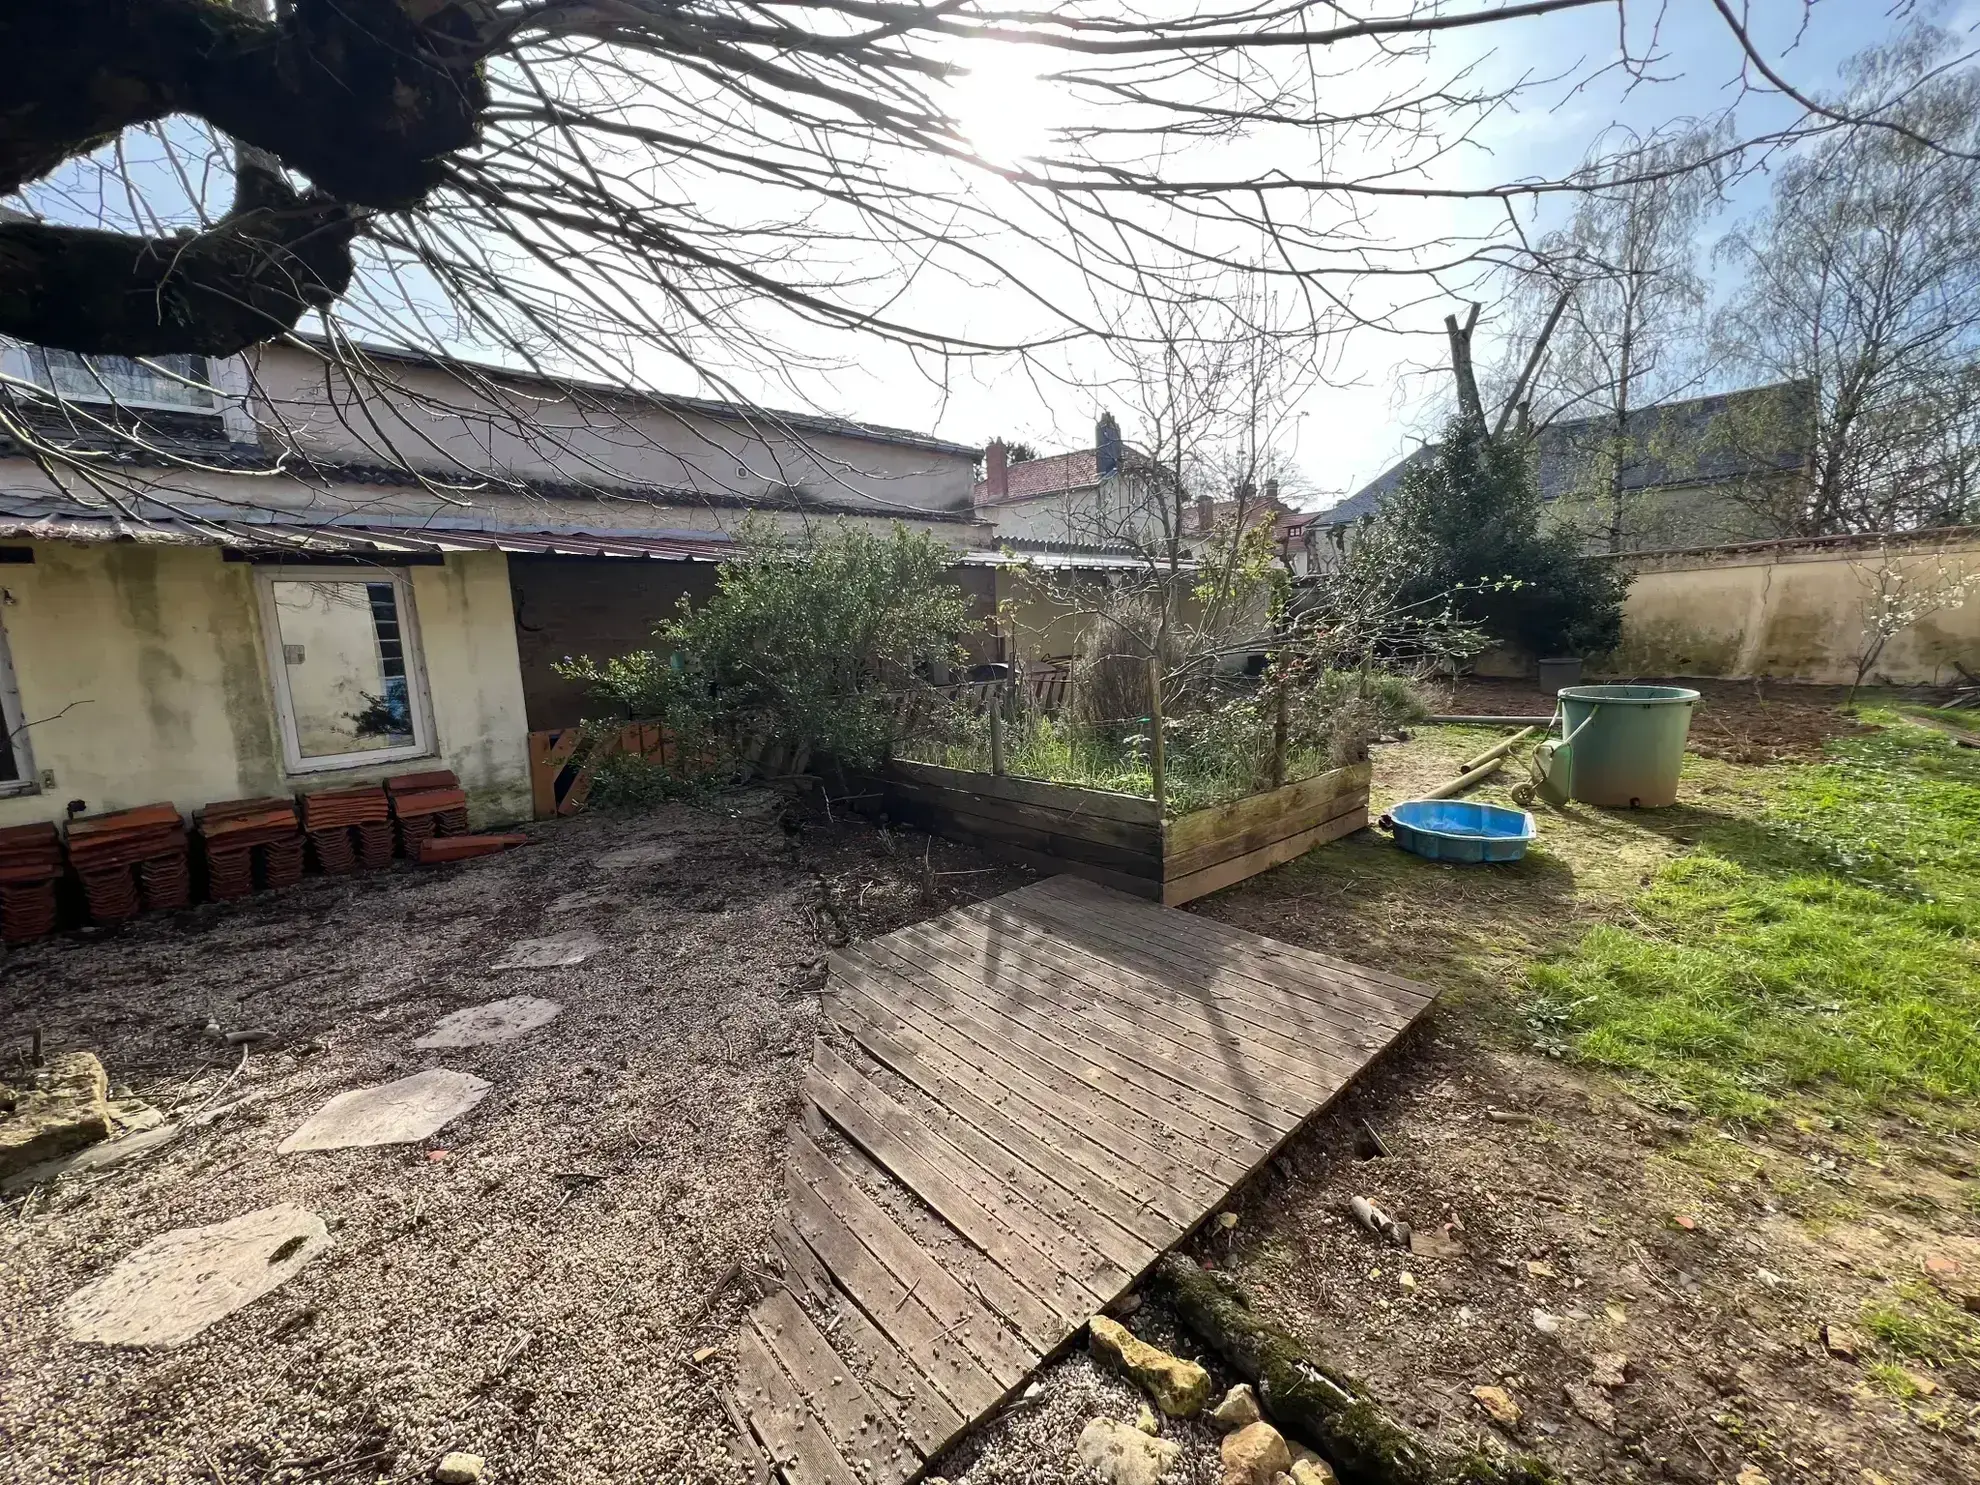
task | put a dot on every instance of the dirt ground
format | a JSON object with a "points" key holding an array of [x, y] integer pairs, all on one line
{"points": [[1738, 721], [531, 1284], [535, 1283]]}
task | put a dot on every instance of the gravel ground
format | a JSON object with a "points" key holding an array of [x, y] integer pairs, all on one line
{"points": [[534, 1282]]}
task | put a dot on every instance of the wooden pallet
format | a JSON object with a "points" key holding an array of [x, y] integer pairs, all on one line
{"points": [[1021, 1105]]}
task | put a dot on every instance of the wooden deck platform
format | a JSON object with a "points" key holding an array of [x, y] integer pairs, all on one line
{"points": [[1020, 1107]]}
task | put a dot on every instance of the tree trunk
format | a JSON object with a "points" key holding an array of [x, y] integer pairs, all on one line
{"points": [[1320, 1404]]}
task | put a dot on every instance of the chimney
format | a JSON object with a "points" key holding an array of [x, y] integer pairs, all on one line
{"points": [[1271, 492], [996, 470], [1107, 446], [1206, 514]]}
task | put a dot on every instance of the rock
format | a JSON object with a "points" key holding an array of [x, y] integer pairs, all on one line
{"points": [[1147, 1422], [1498, 1405], [1434, 1242], [1313, 1471], [1539, 1268], [460, 1469], [134, 1115], [62, 1107], [94, 1157], [1840, 1340], [390, 1114], [1239, 1407], [1254, 1454], [1751, 1476], [1610, 1370], [558, 951], [1545, 1323], [176, 1285], [1126, 1305], [1180, 1388], [1925, 1384], [1940, 1266], [1121, 1455], [491, 1024], [1591, 1404], [1408, 1281]]}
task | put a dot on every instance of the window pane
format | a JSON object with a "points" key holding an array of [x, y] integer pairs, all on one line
{"points": [[347, 681], [122, 379]]}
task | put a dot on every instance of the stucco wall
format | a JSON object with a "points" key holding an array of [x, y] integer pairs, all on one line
{"points": [[156, 652], [1794, 612]]}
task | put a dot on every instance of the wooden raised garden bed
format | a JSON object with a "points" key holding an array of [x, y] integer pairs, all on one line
{"points": [[1121, 840]]}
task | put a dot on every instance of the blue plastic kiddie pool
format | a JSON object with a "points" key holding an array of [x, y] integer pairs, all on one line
{"points": [[1458, 830]]}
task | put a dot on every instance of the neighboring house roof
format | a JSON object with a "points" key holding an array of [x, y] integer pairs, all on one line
{"points": [[706, 406], [1681, 443], [176, 448], [1051, 475], [61, 518]]}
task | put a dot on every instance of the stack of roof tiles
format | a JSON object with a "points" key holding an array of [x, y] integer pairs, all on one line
{"points": [[236, 831], [349, 828], [425, 805], [131, 860], [30, 865]]}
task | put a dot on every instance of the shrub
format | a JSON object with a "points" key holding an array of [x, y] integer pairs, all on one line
{"points": [[813, 647]]}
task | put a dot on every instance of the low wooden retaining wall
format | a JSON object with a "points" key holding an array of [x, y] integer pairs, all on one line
{"points": [[1122, 840]]}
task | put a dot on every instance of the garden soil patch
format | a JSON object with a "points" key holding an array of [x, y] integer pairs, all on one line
{"points": [[539, 1282]]}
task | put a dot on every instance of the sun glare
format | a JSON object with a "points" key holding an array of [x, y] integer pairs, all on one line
{"points": [[1005, 110]]}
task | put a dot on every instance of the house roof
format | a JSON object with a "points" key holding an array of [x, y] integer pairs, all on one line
{"points": [[1686, 443], [176, 447], [1047, 476], [774, 418], [61, 518]]}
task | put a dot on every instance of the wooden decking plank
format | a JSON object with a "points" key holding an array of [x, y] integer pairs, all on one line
{"points": [[1211, 1021], [1187, 1019], [942, 1364], [1036, 1317], [1230, 939], [1180, 1140], [1185, 949], [1203, 1087], [1115, 1218], [964, 1317], [922, 1413], [1147, 1173], [775, 1407], [1295, 994], [862, 1431], [1080, 1279]]}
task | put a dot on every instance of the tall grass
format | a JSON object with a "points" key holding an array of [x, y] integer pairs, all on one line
{"points": [[1831, 948]]}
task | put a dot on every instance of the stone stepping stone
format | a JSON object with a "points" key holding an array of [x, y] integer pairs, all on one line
{"points": [[179, 1283], [555, 952], [389, 1114], [487, 1025], [646, 853]]}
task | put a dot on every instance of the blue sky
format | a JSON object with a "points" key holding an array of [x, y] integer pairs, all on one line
{"points": [[1374, 407], [1350, 433]]}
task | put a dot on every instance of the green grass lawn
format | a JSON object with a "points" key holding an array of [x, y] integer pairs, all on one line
{"points": [[1825, 944]]}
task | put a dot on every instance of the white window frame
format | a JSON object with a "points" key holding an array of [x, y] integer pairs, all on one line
{"points": [[20, 361], [15, 721], [423, 744]]}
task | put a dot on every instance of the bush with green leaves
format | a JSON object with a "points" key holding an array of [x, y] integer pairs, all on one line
{"points": [[1465, 526], [807, 647]]}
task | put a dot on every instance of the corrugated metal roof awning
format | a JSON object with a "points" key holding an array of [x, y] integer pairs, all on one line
{"points": [[50, 518]]}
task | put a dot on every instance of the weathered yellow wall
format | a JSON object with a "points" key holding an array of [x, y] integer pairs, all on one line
{"points": [[156, 653], [1792, 612]]}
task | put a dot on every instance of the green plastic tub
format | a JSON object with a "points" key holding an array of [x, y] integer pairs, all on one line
{"points": [[1629, 755]]}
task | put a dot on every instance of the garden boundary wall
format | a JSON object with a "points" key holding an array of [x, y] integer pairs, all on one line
{"points": [[1796, 610]]}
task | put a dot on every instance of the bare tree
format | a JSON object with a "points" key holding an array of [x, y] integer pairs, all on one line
{"points": [[1624, 267], [1902, 587], [1861, 281], [638, 189]]}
